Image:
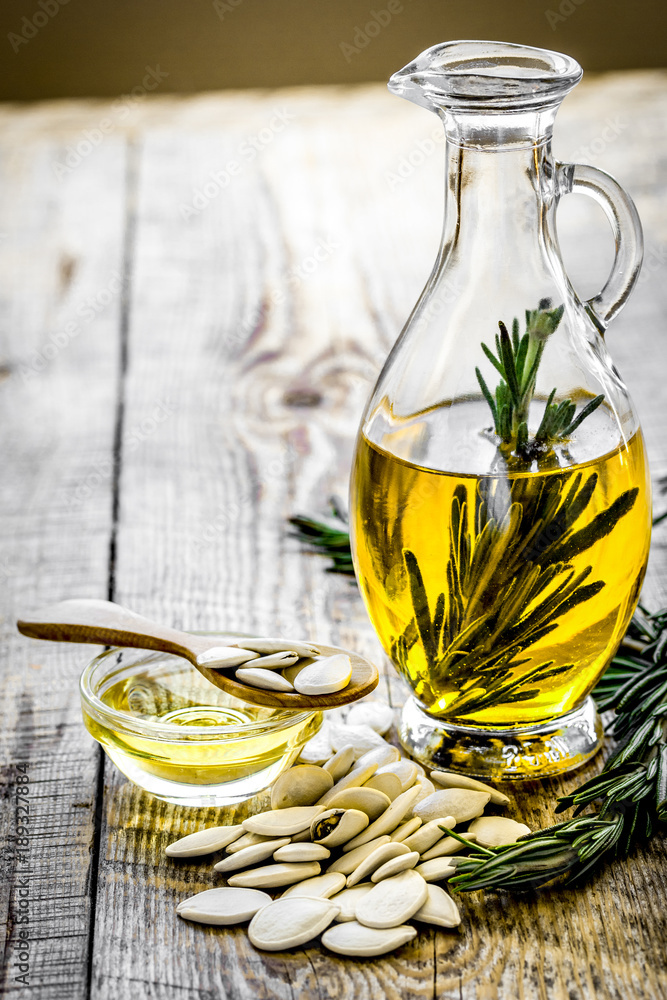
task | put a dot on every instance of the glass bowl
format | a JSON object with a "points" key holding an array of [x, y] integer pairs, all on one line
{"points": [[180, 738]]}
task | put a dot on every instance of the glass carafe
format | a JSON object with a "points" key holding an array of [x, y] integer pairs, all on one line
{"points": [[500, 498]]}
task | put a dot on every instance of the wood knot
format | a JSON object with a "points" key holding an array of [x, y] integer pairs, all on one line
{"points": [[302, 397]]}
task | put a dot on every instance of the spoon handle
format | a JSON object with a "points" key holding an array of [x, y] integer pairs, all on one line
{"points": [[109, 624]]}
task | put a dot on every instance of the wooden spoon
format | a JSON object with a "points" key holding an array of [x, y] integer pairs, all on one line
{"points": [[105, 623]]}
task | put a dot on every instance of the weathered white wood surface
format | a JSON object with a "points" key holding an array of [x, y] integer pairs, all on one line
{"points": [[233, 368]]}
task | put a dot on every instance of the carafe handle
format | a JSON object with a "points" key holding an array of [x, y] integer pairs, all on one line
{"points": [[624, 220]]}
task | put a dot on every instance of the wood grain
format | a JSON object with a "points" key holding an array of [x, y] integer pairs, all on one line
{"points": [[245, 372]]}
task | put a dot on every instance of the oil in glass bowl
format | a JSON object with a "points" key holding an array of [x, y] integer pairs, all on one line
{"points": [[180, 738]]}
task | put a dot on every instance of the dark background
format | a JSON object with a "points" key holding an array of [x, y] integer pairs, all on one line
{"points": [[102, 48]]}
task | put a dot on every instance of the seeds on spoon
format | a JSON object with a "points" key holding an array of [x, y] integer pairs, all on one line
{"points": [[461, 803], [266, 646], [356, 941], [225, 906], [393, 901], [374, 860], [336, 826], [290, 921], [276, 661], [265, 679], [282, 822], [215, 838], [449, 779], [341, 762], [368, 800], [301, 785], [439, 909], [250, 855], [225, 656], [495, 831], [395, 866], [324, 676], [321, 885], [272, 876]]}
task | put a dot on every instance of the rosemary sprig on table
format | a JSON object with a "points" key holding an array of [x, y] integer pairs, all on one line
{"points": [[632, 786], [331, 538], [517, 360]]}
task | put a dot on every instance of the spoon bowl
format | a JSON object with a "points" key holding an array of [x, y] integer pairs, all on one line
{"points": [[109, 624]]}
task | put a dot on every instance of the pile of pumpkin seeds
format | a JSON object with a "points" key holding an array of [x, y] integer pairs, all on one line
{"points": [[356, 841]]}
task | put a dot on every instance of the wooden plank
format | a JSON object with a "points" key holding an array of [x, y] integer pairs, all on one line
{"points": [[61, 266]]}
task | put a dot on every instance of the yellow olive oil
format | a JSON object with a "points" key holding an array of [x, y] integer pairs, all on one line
{"points": [[158, 694], [501, 597]]}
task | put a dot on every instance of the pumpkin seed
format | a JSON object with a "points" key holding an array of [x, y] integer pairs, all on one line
{"points": [[260, 645], [395, 866], [341, 762], [449, 779], [318, 748], [276, 661], [302, 852], [405, 771], [496, 831], [282, 822], [272, 876], [446, 847], [336, 826], [368, 800], [225, 906], [356, 941], [215, 838], [393, 900], [388, 821], [376, 714], [348, 862], [321, 885], [225, 656], [374, 860], [405, 830], [389, 784], [247, 840], [426, 788], [290, 921], [382, 753], [265, 679], [429, 834], [353, 779], [324, 676], [250, 855], [301, 785], [438, 868], [461, 803], [439, 909], [347, 899]]}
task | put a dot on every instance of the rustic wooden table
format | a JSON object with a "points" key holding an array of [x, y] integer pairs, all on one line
{"points": [[197, 295]]}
